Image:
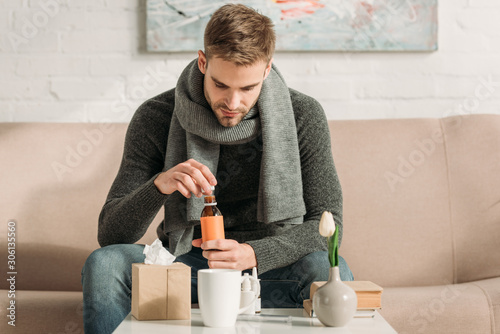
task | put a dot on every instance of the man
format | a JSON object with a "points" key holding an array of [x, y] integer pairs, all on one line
{"points": [[231, 121]]}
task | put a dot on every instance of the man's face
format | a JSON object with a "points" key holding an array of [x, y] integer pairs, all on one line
{"points": [[231, 90]]}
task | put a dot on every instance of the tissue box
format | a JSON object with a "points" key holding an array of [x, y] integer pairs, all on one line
{"points": [[161, 292]]}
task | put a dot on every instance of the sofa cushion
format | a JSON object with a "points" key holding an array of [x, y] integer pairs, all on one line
{"points": [[473, 153], [44, 312], [393, 173], [491, 289], [453, 308], [421, 198], [60, 175]]}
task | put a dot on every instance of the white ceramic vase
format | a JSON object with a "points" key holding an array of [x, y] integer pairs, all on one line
{"points": [[335, 303]]}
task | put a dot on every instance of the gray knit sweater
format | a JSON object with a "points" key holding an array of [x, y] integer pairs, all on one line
{"points": [[134, 200]]}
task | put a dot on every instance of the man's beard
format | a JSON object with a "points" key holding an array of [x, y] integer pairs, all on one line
{"points": [[229, 121]]}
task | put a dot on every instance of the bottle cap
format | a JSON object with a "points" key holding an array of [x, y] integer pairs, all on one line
{"points": [[211, 188], [246, 283]]}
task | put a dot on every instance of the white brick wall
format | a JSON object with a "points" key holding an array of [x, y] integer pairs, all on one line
{"points": [[84, 61]]}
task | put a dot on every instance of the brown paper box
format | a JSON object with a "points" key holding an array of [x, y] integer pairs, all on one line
{"points": [[161, 292]]}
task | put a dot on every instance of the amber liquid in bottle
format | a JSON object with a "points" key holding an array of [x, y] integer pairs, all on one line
{"points": [[210, 208], [212, 221]]}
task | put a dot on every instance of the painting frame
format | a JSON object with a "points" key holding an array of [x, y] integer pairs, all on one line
{"points": [[305, 25]]}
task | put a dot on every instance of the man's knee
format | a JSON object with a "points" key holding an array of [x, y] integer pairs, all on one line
{"points": [[314, 266], [345, 271], [113, 257]]}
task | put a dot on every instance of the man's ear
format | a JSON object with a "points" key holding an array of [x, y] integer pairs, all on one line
{"points": [[268, 68], [202, 62]]}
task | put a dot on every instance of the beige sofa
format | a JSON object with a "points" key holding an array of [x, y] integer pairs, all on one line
{"points": [[421, 217]]}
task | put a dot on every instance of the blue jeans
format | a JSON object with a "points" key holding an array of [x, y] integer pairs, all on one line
{"points": [[107, 282]]}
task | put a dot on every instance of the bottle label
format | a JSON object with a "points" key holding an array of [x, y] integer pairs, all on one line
{"points": [[212, 228]]}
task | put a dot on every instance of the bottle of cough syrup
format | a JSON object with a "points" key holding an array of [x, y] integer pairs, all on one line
{"points": [[212, 222]]}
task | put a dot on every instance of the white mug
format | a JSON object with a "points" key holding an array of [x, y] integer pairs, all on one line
{"points": [[219, 292]]}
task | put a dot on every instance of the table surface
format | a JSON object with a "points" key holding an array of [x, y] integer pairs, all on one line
{"points": [[271, 321]]}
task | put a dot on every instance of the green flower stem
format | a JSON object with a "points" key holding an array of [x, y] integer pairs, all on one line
{"points": [[333, 249], [336, 247]]}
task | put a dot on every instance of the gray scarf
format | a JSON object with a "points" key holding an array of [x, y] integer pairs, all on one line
{"points": [[195, 133]]}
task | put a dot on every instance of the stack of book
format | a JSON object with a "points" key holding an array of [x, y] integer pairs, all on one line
{"points": [[369, 298]]}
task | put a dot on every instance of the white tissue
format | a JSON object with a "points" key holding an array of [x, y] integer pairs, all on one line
{"points": [[157, 254]]}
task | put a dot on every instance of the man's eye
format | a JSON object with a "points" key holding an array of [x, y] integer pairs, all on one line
{"points": [[248, 89], [219, 85]]}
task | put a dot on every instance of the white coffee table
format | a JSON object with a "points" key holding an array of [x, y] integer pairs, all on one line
{"points": [[272, 321]]}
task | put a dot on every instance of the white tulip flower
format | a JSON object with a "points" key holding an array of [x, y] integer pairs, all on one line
{"points": [[326, 225]]}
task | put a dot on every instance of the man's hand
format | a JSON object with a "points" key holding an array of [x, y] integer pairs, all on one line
{"points": [[187, 177], [227, 254]]}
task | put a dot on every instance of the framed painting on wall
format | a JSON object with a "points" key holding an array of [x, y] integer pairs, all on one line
{"points": [[305, 25]]}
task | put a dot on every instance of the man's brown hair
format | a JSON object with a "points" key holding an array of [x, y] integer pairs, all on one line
{"points": [[239, 34]]}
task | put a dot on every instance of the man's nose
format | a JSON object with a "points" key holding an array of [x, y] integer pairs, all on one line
{"points": [[232, 100]]}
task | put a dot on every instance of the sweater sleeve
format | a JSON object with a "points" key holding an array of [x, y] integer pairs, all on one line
{"points": [[321, 191], [133, 200]]}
